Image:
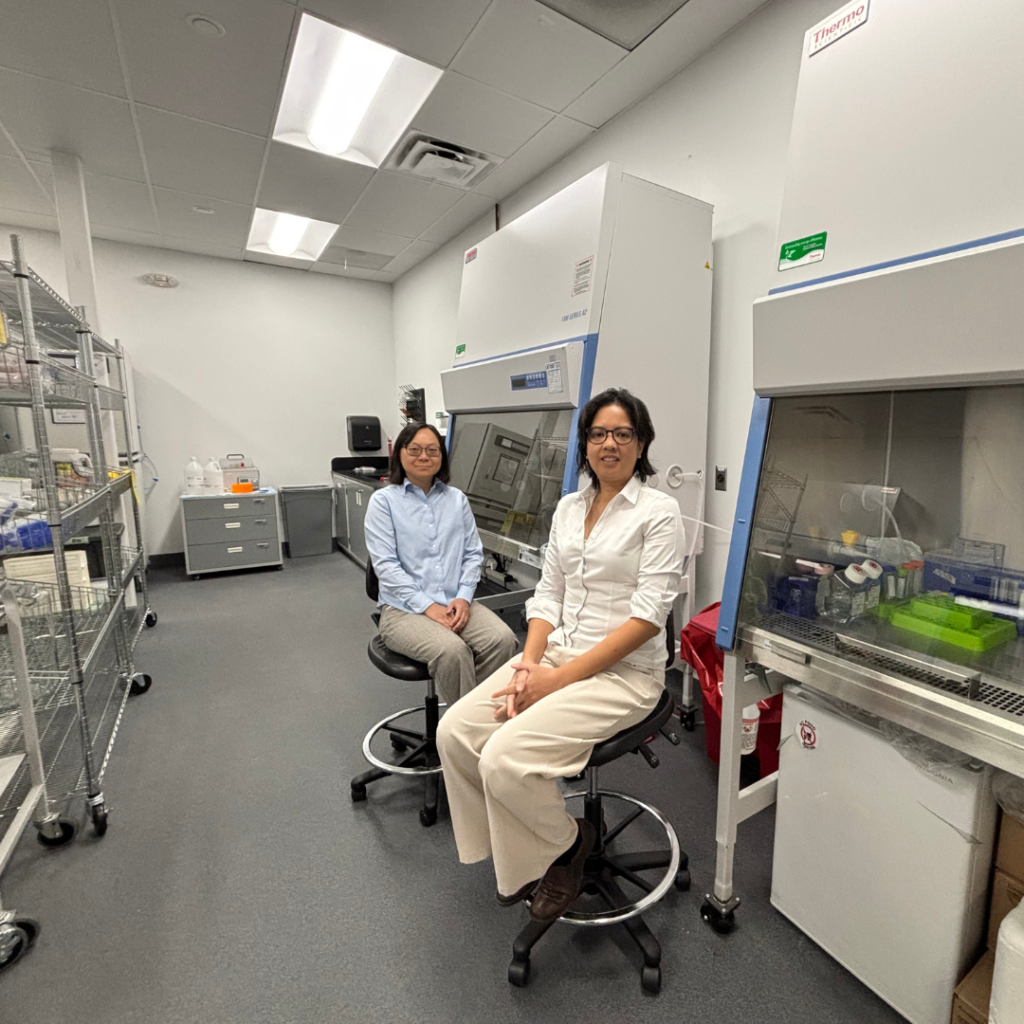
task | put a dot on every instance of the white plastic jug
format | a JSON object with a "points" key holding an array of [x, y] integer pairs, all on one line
{"points": [[213, 477], [193, 476], [751, 719]]}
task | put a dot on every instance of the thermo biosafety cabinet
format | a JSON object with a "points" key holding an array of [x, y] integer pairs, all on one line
{"points": [[877, 555], [607, 283]]}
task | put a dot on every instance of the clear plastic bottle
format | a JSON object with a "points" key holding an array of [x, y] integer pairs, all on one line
{"points": [[193, 476], [874, 584], [213, 477], [847, 599]]}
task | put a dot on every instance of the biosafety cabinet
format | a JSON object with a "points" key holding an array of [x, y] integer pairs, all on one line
{"points": [[607, 283], [877, 553]]}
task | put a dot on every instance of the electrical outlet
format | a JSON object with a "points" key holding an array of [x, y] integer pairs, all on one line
{"points": [[721, 477]]}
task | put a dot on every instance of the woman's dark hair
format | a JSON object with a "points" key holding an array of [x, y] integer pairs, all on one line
{"points": [[639, 417], [396, 471]]}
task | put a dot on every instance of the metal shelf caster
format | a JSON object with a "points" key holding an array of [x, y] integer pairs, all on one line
{"points": [[140, 683], [688, 719], [151, 619], [99, 819], [56, 833], [17, 937]]}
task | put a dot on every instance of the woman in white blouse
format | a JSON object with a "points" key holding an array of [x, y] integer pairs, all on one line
{"points": [[592, 665]]}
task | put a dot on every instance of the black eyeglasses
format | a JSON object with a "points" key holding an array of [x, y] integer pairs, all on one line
{"points": [[622, 435], [416, 451]]}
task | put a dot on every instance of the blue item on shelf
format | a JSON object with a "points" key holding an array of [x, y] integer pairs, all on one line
{"points": [[797, 595], [945, 572]]}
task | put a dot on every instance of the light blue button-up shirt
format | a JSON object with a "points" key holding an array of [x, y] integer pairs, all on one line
{"points": [[425, 548]]}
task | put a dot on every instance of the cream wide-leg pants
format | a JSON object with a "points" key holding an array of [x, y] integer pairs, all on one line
{"points": [[501, 776]]}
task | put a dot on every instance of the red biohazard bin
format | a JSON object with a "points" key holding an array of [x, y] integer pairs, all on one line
{"points": [[698, 649]]}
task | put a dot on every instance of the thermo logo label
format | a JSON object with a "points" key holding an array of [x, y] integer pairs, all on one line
{"points": [[802, 251], [840, 24], [471, 255]]}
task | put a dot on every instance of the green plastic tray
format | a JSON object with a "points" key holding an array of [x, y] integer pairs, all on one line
{"points": [[944, 610], [984, 637]]}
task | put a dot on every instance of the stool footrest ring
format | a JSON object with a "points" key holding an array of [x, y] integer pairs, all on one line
{"points": [[619, 914], [387, 766]]}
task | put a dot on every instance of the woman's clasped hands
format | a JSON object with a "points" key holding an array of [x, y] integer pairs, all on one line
{"points": [[530, 683]]}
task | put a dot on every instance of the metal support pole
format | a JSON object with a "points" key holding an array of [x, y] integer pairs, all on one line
{"points": [[53, 514], [111, 550], [45, 819]]}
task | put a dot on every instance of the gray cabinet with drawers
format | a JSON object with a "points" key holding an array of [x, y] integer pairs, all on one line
{"points": [[230, 531]]}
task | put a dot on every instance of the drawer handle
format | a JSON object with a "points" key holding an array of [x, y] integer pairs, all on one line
{"points": [[231, 504], [259, 501], [232, 526], [260, 522], [235, 551], [264, 544]]}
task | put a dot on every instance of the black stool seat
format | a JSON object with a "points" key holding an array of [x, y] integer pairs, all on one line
{"points": [[629, 739], [398, 666]]}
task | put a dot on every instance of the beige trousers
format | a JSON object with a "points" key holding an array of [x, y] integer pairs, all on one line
{"points": [[501, 777], [457, 661]]}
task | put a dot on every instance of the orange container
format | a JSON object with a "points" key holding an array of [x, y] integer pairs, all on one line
{"points": [[245, 488]]}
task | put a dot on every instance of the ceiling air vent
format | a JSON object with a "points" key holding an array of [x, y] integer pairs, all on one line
{"points": [[443, 162]]}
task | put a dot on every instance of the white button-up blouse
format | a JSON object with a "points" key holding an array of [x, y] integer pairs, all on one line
{"points": [[630, 566]]}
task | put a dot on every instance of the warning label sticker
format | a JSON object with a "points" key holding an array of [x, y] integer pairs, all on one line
{"points": [[808, 735], [583, 276]]}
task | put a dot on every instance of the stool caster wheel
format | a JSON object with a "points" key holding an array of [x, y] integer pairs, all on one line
{"points": [[397, 743], [428, 817], [689, 719], [650, 979], [723, 922], [683, 880], [519, 973], [358, 793]]}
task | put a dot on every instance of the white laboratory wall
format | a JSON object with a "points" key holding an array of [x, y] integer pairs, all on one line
{"points": [[426, 314], [718, 131], [240, 357]]}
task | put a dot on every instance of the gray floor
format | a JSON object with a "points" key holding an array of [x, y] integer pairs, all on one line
{"points": [[238, 883]]}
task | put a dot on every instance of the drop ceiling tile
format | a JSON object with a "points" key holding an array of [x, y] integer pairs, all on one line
{"points": [[691, 31], [469, 113], [228, 224], [432, 30], [20, 191], [468, 209], [531, 51], [112, 234], [70, 42], [42, 115], [229, 79], [23, 219], [6, 149], [227, 252], [191, 156], [340, 255], [370, 241], [311, 184], [551, 143], [116, 203], [416, 253], [402, 205]]}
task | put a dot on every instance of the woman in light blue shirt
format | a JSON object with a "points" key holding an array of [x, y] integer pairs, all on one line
{"points": [[427, 555]]}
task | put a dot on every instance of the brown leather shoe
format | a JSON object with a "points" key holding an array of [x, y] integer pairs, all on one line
{"points": [[561, 882], [518, 896]]}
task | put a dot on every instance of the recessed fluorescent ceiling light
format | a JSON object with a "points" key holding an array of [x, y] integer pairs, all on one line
{"points": [[285, 234], [347, 96], [626, 22]]}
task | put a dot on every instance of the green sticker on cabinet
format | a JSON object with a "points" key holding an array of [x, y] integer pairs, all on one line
{"points": [[460, 351], [803, 251]]}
